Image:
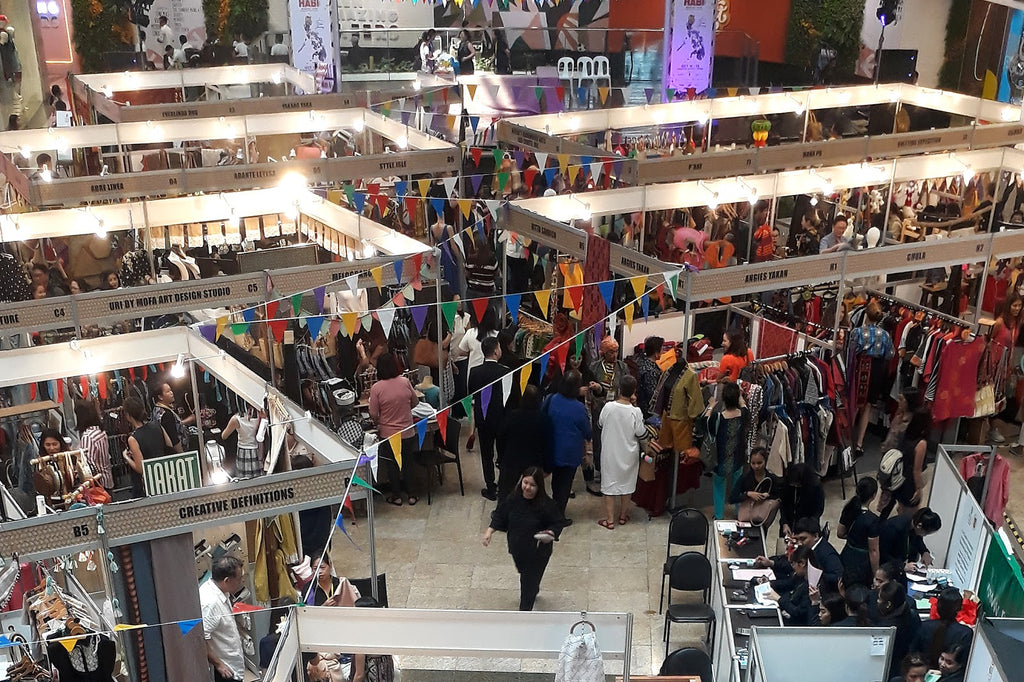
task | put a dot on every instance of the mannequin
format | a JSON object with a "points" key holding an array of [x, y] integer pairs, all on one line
{"points": [[678, 399], [431, 393], [247, 457]]}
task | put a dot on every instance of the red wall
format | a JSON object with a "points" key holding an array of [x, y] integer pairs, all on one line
{"points": [[763, 20]]}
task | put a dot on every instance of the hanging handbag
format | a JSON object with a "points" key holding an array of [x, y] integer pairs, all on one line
{"points": [[985, 401], [447, 383], [760, 513], [708, 447]]}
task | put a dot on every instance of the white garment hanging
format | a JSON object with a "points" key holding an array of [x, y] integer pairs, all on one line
{"points": [[580, 659]]}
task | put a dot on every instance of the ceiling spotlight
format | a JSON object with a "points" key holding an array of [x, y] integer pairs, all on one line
{"points": [[358, 125], [402, 141], [45, 174], [178, 369], [26, 153]]}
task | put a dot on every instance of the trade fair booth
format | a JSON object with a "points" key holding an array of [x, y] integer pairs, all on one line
{"points": [[129, 563], [996, 651], [710, 138], [85, 164], [230, 91]]}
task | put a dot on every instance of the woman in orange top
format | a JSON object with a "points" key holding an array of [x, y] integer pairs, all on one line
{"points": [[737, 355]]}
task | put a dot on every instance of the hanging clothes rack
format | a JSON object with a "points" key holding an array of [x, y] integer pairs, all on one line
{"points": [[919, 308]]}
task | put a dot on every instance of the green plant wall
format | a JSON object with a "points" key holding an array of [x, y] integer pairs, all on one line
{"points": [[99, 26], [956, 44], [227, 19], [835, 22]]}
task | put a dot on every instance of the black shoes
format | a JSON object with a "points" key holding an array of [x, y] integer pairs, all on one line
{"points": [[490, 493]]}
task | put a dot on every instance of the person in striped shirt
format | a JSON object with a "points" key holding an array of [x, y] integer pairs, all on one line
{"points": [[93, 441]]}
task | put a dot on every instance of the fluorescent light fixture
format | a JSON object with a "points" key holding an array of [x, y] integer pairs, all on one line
{"points": [[968, 170], [178, 369], [798, 105], [713, 202], [751, 190], [827, 187]]}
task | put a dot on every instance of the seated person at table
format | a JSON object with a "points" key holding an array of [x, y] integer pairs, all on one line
{"points": [[901, 539], [795, 604], [856, 608], [808, 534], [937, 636], [831, 608]]}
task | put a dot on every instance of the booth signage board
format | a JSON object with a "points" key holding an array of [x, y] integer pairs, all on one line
{"points": [[213, 505], [1001, 587], [546, 231], [304, 279], [696, 166], [50, 536], [920, 142], [997, 135], [919, 256], [708, 284], [54, 313], [528, 138], [313, 32], [630, 263], [240, 107], [172, 474], [166, 299], [1008, 244], [825, 153], [75, 191]]}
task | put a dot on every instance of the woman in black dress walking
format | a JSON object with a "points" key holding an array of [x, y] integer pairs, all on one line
{"points": [[531, 521]]}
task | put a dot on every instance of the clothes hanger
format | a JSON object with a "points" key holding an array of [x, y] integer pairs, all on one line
{"points": [[583, 621]]}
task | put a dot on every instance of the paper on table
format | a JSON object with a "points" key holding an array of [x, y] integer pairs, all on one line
{"points": [[878, 646], [813, 575], [923, 587], [761, 592], [751, 573], [913, 577], [727, 526]]}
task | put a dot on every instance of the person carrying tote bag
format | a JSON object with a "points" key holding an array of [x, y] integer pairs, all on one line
{"points": [[758, 491]]}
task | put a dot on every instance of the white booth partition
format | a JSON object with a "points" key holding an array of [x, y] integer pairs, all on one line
{"points": [[443, 633], [961, 545], [795, 654], [997, 651]]}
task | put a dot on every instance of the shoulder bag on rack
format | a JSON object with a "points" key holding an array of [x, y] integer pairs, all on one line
{"points": [[985, 396], [760, 513]]}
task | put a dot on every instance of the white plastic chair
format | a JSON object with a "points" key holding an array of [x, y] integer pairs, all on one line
{"points": [[585, 70], [602, 69], [566, 70]]}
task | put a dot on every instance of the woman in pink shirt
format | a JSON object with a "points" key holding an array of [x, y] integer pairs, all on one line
{"points": [[392, 398]]}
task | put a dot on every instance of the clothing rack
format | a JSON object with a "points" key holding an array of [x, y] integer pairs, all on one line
{"points": [[919, 308], [757, 306], [787, 356]]}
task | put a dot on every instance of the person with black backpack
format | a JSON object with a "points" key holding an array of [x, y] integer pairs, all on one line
{"points": [[901, 478]]}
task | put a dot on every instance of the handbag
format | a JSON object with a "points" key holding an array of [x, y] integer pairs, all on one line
{"points": [[985, 401], [760, 513], [425, 353], [328, 669], [447, 383], [708, 448]]}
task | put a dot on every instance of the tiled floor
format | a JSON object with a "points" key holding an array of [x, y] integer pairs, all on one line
{"points": [[433, 559]]}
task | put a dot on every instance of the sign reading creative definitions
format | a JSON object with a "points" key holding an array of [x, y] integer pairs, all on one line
{"points": [[313, 41], [213, 505], [184, 18], [172, 474], [691, 44], [546, 231]]}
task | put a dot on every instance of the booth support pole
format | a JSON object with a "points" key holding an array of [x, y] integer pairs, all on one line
{"points": [[888, 206], [148, 246], [984, 278], [626, 650], [373, 543], [643, 216], [204, 471], [266, 329], [440, 325], [675, 454], [992, 214]]}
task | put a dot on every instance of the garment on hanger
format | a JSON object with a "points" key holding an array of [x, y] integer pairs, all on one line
{"points": [[580, 659], [977, 466]]}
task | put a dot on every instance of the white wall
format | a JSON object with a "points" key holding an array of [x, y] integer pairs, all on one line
{"points": [[922, 27]]}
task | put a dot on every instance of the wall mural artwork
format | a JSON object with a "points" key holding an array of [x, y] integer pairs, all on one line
{"points": [[544, 28]]}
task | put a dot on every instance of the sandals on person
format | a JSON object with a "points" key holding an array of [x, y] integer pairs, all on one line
{"points": [[605, 523], [396, 500], [413, 500], [623, 520]]}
